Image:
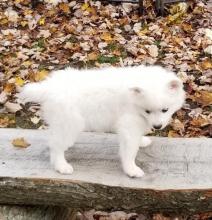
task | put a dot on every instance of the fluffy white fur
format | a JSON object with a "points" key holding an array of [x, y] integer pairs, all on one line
{"points": [[129, 101]]}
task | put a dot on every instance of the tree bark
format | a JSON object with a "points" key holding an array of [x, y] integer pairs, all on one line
{"points": [[8, 212]]}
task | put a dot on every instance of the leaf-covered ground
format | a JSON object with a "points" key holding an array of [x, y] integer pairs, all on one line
{"points": [[88, 34]]}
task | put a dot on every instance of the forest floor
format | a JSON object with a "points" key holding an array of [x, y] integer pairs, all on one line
{"points": [[34, 41]]}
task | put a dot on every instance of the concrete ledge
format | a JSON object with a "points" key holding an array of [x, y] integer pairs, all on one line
{"points": [[178, 174]]}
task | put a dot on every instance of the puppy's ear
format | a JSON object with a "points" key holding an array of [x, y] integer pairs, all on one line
{"points": [[175, 84], [136, 90]]}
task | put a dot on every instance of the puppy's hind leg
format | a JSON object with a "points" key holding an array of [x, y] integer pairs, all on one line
{"points": [[64, 129]]}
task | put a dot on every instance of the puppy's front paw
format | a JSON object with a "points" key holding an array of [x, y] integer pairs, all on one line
{"points": [[134, 171], [145, 141], [64, 167]]}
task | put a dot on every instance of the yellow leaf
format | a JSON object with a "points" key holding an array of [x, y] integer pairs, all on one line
{"points": [[24, 23], [106, 36], [143, 32], [18, 1], [41, 21], [84, 6], [41, 75], [27, 63], [92, 10], [19, 81], [20, 142], [64, 7]]}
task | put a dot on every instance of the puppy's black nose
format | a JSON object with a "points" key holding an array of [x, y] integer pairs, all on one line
{"points": [[157, 126]]}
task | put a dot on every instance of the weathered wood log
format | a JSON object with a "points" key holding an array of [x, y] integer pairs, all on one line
{"points": [[35, 213], [178, 174]]}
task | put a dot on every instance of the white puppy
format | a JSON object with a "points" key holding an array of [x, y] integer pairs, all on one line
{"points": [[129, 101]]}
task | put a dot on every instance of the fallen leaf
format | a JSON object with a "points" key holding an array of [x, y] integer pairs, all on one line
{"points": [[41, 75], [9, 88], [3, 97], [42, 21], [19, 81], [208, 50], [20, 142], [106, 36], [203, 97], [208, 33], [12, 107], [153, 50], [64, 7], [85, 6], [179, 8], [11, 14], [206, 64], [93, 56], [177, 125], [200, 122], [4, 122], [172, 133], [137, 27]]}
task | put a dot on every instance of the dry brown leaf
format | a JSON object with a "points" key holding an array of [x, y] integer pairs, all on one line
{"points": [[153, 50], [4, 122], [206, 64], [9, 88], [177, 125], [200, 122], [20, 142], [93, 56], [187, 27], [203, 97], [173, 134], [64, 7]]}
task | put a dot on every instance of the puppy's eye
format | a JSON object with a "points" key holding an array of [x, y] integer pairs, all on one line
{"points": [[164, 110], [148, 112]]}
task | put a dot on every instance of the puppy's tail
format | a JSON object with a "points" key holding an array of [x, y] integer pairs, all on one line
{"points": [[33, 92]]}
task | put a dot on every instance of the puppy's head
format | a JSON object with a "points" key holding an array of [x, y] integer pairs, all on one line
{"points": [[157, 102]]}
